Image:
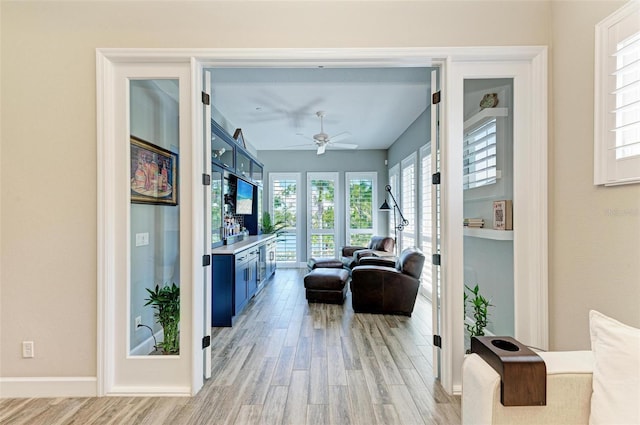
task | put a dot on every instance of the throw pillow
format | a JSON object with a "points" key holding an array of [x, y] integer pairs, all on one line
{"points": [[616, 372]]}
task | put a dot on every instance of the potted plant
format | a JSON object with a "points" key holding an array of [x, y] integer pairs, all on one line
{"points": [[479, 307], [166, 301], [270, 227]]}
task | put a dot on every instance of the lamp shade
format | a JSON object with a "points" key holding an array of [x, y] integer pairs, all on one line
{"points": [[385, 206]]}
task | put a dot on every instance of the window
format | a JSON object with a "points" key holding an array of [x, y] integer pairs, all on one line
{"points": [[321, 213], [284, 209], [617, 98], [426, 235], [479, 155], [408, 201], [394, 182], [361, 207]]}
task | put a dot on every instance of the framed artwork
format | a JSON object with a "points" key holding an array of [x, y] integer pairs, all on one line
{"points": [[154, 174], [237, 135]]}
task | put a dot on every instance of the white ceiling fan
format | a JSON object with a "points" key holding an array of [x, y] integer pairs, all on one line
{"points": [[322, 139]]}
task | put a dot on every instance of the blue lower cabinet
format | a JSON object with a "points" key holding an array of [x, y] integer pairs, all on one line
{"points": [[235, 280]]}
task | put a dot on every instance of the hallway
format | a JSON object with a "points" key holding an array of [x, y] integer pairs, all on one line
{"points": [[287, 362]]}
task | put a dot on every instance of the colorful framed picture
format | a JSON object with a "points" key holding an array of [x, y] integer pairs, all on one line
{"points": [[154, 174], [239, 138]]}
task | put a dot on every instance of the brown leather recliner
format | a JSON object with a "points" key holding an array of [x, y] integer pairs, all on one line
{"points": [[388, 290], [379, 246]]}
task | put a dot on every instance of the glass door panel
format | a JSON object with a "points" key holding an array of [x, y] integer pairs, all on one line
{"points": [[321, 210], [154, 214], [217, 206], [487, 182]]}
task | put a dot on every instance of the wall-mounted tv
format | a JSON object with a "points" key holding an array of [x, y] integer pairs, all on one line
{"points": [[244, 197]]}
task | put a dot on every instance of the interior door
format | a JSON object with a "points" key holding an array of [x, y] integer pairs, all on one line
{"points": [[206, 166], [435, 222]]}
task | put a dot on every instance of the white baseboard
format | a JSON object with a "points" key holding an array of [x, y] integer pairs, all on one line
{"points": [[142, 391], [457, 390], [45, 386]]}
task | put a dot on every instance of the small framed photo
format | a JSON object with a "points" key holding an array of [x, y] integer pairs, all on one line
{"points": [[503, 215], [154, 174], [239, 138]]}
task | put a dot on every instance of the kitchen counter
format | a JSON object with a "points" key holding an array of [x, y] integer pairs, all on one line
{"points": [[248, 242]]}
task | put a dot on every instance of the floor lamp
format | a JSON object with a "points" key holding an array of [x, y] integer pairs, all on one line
{"points": [[396, 227]]}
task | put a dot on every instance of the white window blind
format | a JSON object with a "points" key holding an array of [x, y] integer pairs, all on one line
{"points": [[617, 97], [408, 236], [394, 179], [426, 236], [479, 155], [627, 96]]}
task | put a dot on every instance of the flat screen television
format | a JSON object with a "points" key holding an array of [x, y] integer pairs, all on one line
{"points": [[244, 197]]}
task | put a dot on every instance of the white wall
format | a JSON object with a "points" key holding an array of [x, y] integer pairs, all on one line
{"points": [[48, 106]]}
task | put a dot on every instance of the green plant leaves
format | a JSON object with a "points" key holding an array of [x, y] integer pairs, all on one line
{"points": [[479, 306], [166, 301]]}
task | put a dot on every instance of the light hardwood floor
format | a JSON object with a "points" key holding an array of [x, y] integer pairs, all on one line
{"points": [[287, 362]]}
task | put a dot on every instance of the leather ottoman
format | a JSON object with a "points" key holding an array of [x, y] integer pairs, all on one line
{"points": [[326, 285], [324, 263]]}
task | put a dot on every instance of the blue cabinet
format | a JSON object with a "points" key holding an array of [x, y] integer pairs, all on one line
{"points": [[236, 278]]}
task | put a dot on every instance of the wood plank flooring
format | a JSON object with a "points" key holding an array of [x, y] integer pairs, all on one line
{"points": [[287, 362]]}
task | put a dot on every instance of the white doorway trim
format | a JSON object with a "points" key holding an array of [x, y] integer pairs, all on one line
{"points": [[529, 201], [534, 56]]}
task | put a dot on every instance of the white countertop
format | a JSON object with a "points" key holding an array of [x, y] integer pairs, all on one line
{"points": [[248, 242]]}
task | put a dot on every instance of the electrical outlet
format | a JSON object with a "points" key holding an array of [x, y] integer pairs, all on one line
{"points": [[138, 321], [28, 350]]}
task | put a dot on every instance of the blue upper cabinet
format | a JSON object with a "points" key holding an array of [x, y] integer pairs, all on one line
{"points": [[243, 164], [256, 172], [228, 153], [223, 148]]}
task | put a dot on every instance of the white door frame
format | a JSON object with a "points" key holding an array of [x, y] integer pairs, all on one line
{"points": [[529, 201], [534, 265]]}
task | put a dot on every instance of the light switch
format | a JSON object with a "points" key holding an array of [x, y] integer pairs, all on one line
{"points": [[142, 239]]}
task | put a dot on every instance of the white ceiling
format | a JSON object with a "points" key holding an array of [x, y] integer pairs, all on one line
{"points": [[276, 108]]}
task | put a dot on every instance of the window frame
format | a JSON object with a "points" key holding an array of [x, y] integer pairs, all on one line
{"points": [[336, 207], [425, 226], [288, 176], [354, 175], [394, 182], [607, 170], [411, 216]]}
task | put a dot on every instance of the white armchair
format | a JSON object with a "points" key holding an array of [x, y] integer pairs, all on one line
{"points": [[569, 377], [596, 387]]}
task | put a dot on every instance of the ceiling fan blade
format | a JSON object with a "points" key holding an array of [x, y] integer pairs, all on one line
{"points": [[345, 145], [306, 145], [340, 136], [321, 149]]}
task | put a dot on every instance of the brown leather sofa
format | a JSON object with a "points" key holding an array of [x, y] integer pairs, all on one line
{"points": [[388, 290], [379, 246]]}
